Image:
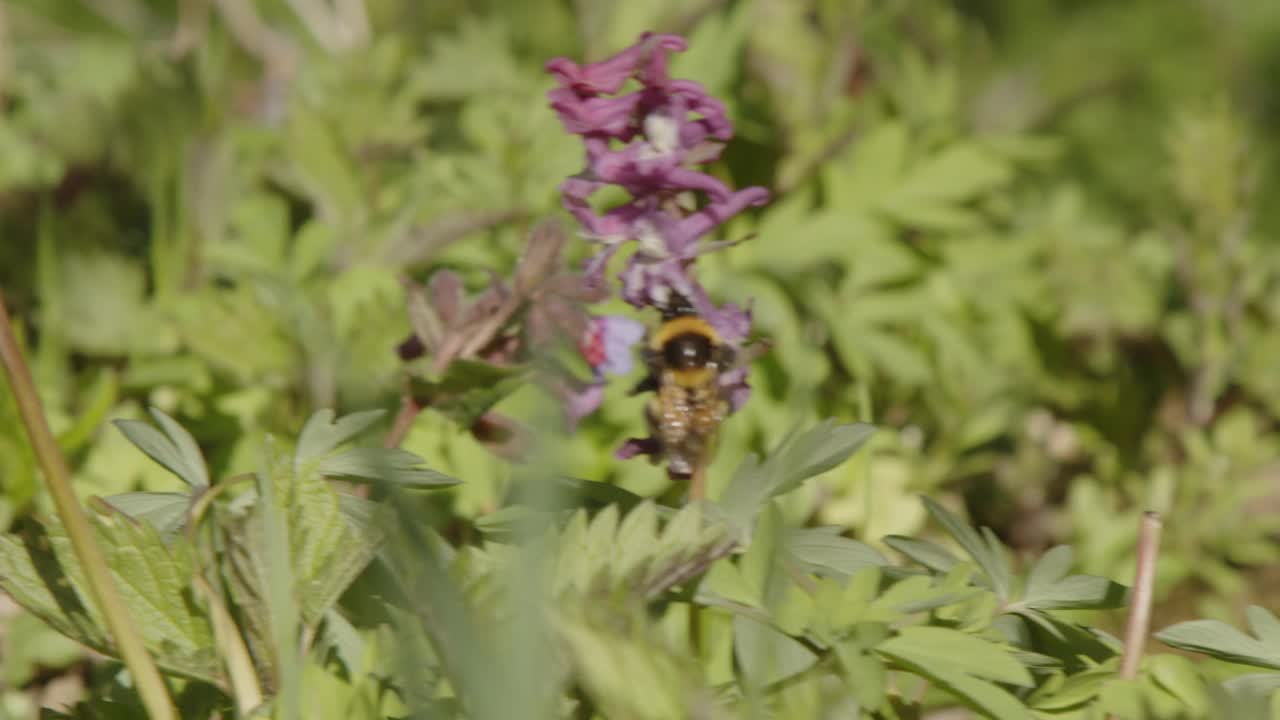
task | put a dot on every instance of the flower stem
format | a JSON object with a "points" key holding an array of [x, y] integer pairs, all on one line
{"points": [[1135, 631], [698, 483], [151, 687]]}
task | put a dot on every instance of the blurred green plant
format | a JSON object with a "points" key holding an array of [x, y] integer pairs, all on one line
{"points": [[1030, 240], [638, 612]]}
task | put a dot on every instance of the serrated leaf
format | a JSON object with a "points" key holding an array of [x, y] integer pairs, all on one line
{"points": [[330, 541], [626, 673], [32, 574], [345, 641], [391, 465], [685, 532], [639, 527], [322, 434], [599, 537], [573, 565], [153, 578], [636, 539]]}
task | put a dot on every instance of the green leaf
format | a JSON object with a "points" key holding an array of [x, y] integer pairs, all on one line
{"points": [[41, 573], [856, 598], [166, 512], [1075, 690], [106, 311], [1220, 640], [958, 173], [468, 389], [983, 548], [101, 397], [1078, 592], [935, 557], [979, 694], [1049, 569], [958, 664], [865, 674], [1250, 697], [636, 538], [767, 655], [632, 556], [950, 650], [174, 449], [627, 672], [823, 551], [322, 434], [330, 541], [802, 456], [31, 645], [386, 464], [344, 640], [724, 582], [1121, 699], [1265, 625], [32, 574], [577, 490], [1180, 678]]}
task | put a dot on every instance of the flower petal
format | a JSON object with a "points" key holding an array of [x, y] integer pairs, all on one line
{"points": [[620, 336], [580, 401]]}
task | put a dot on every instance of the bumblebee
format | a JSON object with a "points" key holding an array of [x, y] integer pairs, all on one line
{"points": [[685, 357]]}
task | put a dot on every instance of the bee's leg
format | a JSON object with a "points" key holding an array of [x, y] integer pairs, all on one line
{"points": [[698, 483], [725, 357], [651, 419], [649, 383]]}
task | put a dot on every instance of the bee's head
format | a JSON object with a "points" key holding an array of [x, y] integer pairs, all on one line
{"points": [[689, 351]]}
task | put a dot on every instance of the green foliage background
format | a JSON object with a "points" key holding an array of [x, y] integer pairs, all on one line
{"points": [[1032, 241]]}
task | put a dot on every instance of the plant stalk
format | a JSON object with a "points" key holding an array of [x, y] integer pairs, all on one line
{"points": [[1139, 622], [151, 686]]}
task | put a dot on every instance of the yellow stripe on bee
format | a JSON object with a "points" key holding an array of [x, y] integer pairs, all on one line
{"points": [[681, 325], [693, 377]]}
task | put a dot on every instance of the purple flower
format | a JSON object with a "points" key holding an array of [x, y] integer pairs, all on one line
{"points": [[648, 142], [652, 142], [608, 345], [580, 399]]}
